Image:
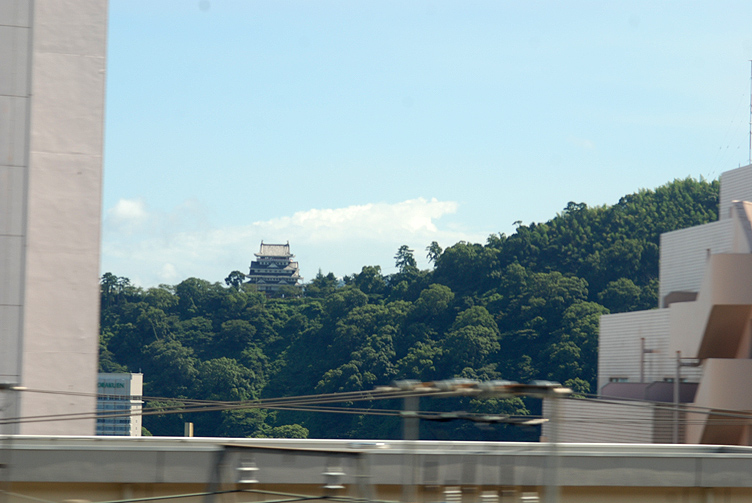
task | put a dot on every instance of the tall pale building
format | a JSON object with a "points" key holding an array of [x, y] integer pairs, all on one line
{"points": [[119, 404], [699, 337], [52, 82]]}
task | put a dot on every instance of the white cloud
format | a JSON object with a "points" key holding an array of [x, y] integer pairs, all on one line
{"points": [[166, 248], [371, 222], [168, 274], [127, 215]]}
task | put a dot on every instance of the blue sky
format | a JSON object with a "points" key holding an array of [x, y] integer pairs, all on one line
{"points": [[349, 128]]}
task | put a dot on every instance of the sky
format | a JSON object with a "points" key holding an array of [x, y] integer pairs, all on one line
{"points": [[350, 128]]}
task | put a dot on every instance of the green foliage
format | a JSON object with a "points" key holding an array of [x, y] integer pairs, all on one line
{"points": [[321, 286], [405, 260], [519, 307], [235, 279], [433, 252], [621, 296], [288, 431]]}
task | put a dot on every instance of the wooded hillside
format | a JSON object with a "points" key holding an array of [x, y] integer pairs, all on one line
{"points": [[519, 307]]}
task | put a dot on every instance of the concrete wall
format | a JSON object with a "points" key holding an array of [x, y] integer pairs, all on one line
{"points": [[50, 184], [619, 347], [724, 388], [736, 185], [685, 252], [96, 469], [15, 43], [716, 325], [601, 422]]}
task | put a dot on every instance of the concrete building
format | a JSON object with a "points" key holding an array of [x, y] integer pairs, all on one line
{"points": [[119, 404], [703, 329], [52, 81], [273, 268]]}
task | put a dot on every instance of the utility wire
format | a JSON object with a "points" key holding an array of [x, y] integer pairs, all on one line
{"points": [[298, 403], [322, 403]]}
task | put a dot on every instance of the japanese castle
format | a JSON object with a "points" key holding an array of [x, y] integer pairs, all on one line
{"points": [[273, 268]]}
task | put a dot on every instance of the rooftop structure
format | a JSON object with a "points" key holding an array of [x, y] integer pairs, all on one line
{"points": [[273, 268], [700, 337]]}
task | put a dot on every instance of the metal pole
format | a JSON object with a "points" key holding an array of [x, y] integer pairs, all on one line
{"points": [[677, 380], [750, 114], [410, 433], [642, 359], [551, 494]]}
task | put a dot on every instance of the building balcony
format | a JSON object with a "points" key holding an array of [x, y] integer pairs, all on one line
{"points": [[721, 395], [715, 325]]}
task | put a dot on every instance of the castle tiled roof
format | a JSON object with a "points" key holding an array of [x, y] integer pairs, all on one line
{"points": [[274, 250], [273, 268]]}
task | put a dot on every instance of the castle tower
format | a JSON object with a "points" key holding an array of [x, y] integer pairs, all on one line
{"points": [[273, 268]]}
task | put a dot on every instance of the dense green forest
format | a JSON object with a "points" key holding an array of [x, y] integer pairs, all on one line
{"points": [[519, 307]]}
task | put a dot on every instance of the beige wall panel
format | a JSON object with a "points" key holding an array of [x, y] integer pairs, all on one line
{"points": [[742, 242], [57, 375], [64, 205], [61, 296], [684, 254], [720, 386], [601, 422], [13, 131], [14, 90], [12, 189], [68, 105], [15, 12], [10, 270], [10, 326], [59, 318], [720, 390], [14, 55], [736, 185], [716, 320], [619, 347], [70, 27]]}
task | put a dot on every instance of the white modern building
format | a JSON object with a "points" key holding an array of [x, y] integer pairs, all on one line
{"points": [[119, 404], [702, 329], [52, 82]]}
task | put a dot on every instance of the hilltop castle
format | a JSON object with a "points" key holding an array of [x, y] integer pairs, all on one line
{"points": [[273, 268]]}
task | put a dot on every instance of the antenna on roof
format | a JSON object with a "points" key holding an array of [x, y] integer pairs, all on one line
{"points": [[750, 113]]}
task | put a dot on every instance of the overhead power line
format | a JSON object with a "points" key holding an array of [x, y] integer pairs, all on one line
{"points": [[325, 403], [306, 403]]}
